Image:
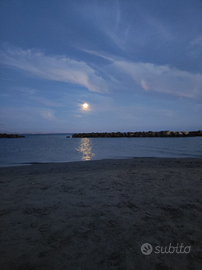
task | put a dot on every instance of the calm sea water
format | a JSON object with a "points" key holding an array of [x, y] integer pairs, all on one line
{"points": [[58, 148]]}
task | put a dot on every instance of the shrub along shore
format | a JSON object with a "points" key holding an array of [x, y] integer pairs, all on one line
{"points": [[165, 133]]}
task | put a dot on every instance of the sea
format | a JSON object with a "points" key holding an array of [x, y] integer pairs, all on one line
{"points": [[53, 148]]}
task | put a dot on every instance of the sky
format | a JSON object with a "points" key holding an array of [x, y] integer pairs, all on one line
{"points": [[136, 63]]}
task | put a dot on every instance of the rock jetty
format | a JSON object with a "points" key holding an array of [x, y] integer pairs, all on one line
{"points": [[4, 135], [165, 133]]}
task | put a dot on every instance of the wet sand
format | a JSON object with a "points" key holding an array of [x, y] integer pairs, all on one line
{"points": [[97, 214]]}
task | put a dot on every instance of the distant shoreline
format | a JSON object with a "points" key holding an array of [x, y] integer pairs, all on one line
{"points": [[5, 135], [119, 134], [165, 133]]}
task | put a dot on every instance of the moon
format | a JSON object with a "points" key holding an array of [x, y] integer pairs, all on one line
{"points": [[85, 106]]}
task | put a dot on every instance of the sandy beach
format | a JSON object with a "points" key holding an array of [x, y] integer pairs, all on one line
{"points": [[97, 215]]}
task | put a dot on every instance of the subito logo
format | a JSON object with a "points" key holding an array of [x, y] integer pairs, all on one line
{"points": [[146, 249]]}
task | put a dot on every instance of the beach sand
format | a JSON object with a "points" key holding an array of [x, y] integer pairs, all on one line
{"points": [[97, 214]]}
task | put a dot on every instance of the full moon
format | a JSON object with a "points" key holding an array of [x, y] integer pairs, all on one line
{"points": [[85, 105]]}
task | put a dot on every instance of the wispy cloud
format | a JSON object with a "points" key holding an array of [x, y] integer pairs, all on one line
{"points": [[28, 113], [158, 26], [117, 73], [118, 15], [56, 68], [163, 79], [48, 114], [47, 102], [195, 48], [197, 41], [151, 77], [28, 117]]}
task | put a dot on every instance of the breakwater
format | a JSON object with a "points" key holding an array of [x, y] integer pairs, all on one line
{"points": [[165, 133]]}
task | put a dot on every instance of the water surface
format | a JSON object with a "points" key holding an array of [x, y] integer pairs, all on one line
{"points": [[58, 148]]}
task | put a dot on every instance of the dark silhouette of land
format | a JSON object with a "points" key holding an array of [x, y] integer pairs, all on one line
{"points": [[119, 134], [5, 135]]}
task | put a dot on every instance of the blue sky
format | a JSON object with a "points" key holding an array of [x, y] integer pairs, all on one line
{"points": [[138, 64]]}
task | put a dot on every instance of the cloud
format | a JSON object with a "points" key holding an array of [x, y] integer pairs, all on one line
{"points": [[195, 48], [27, 113], [197, 41], [151, 77], [55, 68], [29, 118], [47, 102], [116, 73], [48, 115], [27, 90], [144, 85], [162, 79], [158, 26]]}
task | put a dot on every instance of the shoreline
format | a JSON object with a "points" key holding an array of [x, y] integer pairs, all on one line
{"points": [[97, 214], [10, 165]]}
